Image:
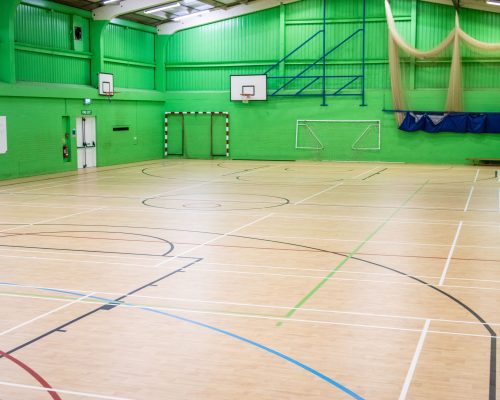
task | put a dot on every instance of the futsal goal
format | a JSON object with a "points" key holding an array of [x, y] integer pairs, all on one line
{"points": [[337, 139]]}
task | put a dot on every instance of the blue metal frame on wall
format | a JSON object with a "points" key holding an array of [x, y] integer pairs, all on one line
{"points": [[322, 61]]}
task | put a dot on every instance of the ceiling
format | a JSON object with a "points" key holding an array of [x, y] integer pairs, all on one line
{"points": [[183, 7]]}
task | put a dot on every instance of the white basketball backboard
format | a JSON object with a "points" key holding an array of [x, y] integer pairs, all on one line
{"points": [[248, 87], [106, 84]]}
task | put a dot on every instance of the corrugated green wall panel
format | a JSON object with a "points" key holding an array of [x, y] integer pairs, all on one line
{"points": [[481, 75], [43, 27], [432, 75], [434, 23], [206, 78], [129, 44], [313, 9], [251, 37], [131, 76], [49, 68]]}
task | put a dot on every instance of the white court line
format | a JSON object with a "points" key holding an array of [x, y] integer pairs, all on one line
{"points": [[319, 193], [414, 361], [214, 239], [83, 394], [385, 274], [51, 219], [142, 266], [272, 318], [469, 199], [372, 241], [45, 314], [218, 178], [266, 306], [477, 175], [66, 260], [284, 216], [450, 254], [385, 282]]}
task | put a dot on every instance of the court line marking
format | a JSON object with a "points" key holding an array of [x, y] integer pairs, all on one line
{"points": [[384, 274], [385, 282], [144, 266], [96, 300], [414, 361], [466, 208], [450, 255], [217, 237], [349, 256], [45, 314], [52, 219], [83, 394], [140, 209], [365, 172], [319, 193], [477, 175], [319, 311]]}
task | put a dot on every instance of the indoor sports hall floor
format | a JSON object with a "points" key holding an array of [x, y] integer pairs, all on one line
{"points": [[220, 280]]}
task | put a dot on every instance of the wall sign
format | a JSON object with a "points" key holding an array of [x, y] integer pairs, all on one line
{"points": [[3, 135]]}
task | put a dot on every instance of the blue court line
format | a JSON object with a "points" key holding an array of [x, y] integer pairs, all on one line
{"points": [[212, 328]]}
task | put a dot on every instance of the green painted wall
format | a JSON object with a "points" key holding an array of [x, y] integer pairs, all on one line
{"points": [[54, 74], [46, 73], [200, 61]]}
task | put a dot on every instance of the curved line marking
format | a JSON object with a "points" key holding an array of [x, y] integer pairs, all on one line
{"points": [[34, 374], [226, 333], [491, 331]]}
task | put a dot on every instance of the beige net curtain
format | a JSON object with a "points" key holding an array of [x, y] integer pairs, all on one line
{"points": [[397, 45]]}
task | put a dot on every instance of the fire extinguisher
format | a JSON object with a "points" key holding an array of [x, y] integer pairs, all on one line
{"points": [[65, 151]]}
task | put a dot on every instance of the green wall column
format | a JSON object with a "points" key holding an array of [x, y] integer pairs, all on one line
{"points": [[7, 49], [161, 58], [97, 47]]}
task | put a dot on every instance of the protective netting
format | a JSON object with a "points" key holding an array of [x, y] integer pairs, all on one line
{"points": [[397, 45]]}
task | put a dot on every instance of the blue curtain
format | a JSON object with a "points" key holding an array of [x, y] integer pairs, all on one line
{"points": [[455, 122]]}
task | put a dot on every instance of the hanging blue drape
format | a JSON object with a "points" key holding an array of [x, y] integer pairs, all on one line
{"points": [[453, 122]]}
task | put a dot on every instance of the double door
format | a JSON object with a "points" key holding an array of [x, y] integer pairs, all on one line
{"points": [[86, 141]]}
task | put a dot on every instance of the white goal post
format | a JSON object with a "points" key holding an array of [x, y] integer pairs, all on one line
{"points": [[371, 125]]}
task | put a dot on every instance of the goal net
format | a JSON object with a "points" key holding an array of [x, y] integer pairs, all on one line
{"points": [[338, 139]]}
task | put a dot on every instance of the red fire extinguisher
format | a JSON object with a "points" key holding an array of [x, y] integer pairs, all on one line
{"points": [[65, 151]]}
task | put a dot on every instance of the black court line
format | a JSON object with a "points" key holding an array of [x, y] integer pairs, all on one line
{"points": [[105, 307], [376, 173], [491, 331], [74, 173], [46, 234]]}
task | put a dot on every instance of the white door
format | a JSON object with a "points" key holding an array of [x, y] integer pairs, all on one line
{"points": [[85, 141]]}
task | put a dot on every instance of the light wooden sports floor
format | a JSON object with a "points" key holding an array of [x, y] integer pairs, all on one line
{"points": [[214, 280]]}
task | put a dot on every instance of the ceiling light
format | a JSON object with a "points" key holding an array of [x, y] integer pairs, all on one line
{"points": [[493, 2], [162, 8], [109, 1], [191, 15]]}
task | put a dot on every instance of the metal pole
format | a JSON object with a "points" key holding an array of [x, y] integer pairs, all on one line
{"points": [[363, 103], [324, 54]]}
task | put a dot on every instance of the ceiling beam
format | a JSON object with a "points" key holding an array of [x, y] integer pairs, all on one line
{"points": [[219, 15], [125, 7], [474, 4]]}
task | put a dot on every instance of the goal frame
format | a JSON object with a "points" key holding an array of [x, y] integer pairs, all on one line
{"points": [[371, 122]]}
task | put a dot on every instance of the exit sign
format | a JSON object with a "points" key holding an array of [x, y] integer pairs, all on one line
{"points": [[86, 112]]}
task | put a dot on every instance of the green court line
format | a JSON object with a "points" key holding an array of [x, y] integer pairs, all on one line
{"points": [[314, 290]]}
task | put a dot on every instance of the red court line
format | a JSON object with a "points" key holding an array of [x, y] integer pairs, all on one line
{"points": [[346, 252], [34, 374]]}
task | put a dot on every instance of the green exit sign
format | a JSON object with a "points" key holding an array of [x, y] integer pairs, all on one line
{"points": [[86, 112]]}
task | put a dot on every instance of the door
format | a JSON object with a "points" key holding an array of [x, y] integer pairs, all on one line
{"points": [[85, 141]]}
